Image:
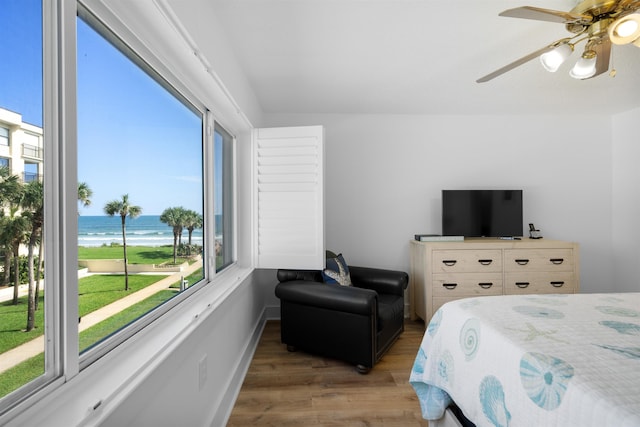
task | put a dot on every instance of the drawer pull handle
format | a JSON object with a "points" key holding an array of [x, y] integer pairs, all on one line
{"points": [[522, 285], [522, 261], [449, 262], [557, 284], [485, 261], [557, 261], [450, 286], [485, 285]]}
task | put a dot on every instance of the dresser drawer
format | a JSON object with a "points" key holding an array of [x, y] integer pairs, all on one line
{"points": [[465, 261], [476, 267], [538, 260], [471, 284], [540, 283]]}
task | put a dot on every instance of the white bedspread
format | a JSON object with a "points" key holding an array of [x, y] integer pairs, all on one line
{"points": [[534, 360]]}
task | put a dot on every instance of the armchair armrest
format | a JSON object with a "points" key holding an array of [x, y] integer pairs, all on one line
{"points": [[382, 281], [332, 297]]}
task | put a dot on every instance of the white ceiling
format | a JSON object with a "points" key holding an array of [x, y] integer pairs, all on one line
{"points": [[406, 57]]}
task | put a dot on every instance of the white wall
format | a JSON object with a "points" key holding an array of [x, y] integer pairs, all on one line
{"points": [[384, 175], [626, 201]]}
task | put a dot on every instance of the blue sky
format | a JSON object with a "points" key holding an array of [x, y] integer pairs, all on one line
{"points": [[20, 67], [133, 136]]}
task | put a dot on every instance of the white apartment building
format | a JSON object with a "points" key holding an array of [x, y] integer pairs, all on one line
{"points": [[21, 146]]}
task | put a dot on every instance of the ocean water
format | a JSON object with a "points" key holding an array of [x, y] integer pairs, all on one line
{"points": [[146, 230]]}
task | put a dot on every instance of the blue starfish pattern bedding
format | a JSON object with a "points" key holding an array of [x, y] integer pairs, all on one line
{"points": [[533, 360]]}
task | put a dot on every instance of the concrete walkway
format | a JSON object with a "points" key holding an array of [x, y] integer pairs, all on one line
{"points": [[6, 294], [34, 347]]}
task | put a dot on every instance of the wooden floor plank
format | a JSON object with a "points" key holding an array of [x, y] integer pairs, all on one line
{"points": [[294, 389]]}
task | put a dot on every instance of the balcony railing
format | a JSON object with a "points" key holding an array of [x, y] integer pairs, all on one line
{"points": [[32, 151]]}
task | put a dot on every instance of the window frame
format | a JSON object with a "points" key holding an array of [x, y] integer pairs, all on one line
{"points": [[107, 344], [53, 42], [62, 359], [228, 196], [6, 137]]}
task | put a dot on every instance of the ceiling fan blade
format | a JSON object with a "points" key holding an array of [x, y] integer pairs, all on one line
{"points": [[603, 52], [539, 14], [515, 64]]}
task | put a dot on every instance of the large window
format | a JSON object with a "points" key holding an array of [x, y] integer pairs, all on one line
{"points": [[140, 158], [22, 287], [143, 232]]}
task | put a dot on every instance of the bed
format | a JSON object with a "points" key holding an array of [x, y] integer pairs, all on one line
{"points": [[532, 360]]}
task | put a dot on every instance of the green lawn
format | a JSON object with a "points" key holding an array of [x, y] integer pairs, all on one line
{"points": [[98, 332], [135, 254], [99, 290], [13, 322], [95, 292], [21, 374], [30, 369]]}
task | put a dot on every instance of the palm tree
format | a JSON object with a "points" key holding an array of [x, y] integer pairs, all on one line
{"points": [[10, 193], [13, 228], [192, 220], [6, 253], [84, 194], [9, 186], [13, 233], [124, 209], [174, 217], [33, 211]]}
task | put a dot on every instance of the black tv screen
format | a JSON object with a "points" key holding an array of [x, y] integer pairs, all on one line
{"points": [[482, 213]]}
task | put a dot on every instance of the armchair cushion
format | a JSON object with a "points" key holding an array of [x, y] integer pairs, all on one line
{"points": [[337, 271]]}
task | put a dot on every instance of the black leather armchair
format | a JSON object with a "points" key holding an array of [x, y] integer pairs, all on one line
{"points": [[357, 324]]}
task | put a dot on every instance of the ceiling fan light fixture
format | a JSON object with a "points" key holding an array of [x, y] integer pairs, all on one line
{"points": [[585, 67], [625, 30], [553, 59]]}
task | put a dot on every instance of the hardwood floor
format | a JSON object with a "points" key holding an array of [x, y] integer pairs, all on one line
{"points": [[298, 389]]}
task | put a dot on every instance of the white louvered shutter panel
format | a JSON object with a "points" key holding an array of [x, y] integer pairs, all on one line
{"points": [[289, 197]]}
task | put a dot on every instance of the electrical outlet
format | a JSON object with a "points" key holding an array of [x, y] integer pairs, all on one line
{"points": [[202, 372]]}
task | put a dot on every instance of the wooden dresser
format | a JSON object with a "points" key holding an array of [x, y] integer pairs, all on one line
{"points": [[445, 271]]}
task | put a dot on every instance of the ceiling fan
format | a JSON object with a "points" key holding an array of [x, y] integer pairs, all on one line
{"points": [[599, 22]]}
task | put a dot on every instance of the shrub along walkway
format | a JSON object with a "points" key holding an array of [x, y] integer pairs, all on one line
{"points": [[34, 347]]}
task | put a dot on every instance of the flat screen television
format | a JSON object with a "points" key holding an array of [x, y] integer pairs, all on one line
{"points": [[482, 213]]}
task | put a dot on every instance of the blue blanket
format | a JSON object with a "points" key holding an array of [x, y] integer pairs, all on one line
{"points": [[534, 360]]}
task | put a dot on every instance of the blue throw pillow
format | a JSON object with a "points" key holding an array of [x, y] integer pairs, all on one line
{"points": [[337, 271]]}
